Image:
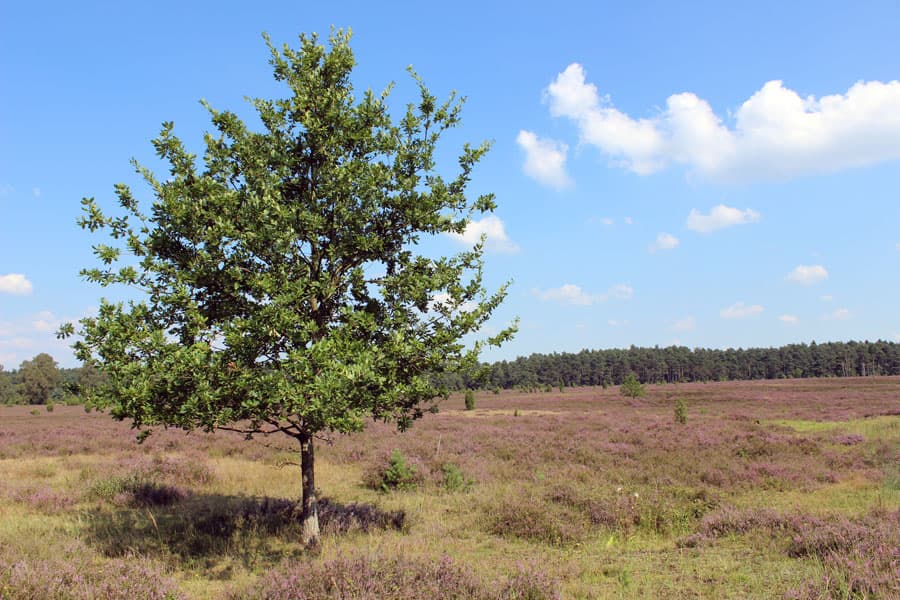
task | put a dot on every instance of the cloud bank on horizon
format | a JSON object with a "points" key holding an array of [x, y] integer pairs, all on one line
{"points": [[776, 134]]}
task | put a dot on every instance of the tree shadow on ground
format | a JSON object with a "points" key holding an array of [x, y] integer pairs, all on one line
{"points": [[213, 532]]}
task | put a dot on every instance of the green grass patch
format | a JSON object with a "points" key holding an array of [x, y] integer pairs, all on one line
{"points": [[872, 428]]}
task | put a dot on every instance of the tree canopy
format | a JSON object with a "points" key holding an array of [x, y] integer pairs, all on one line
{"points": [[39, 376], [283, 285]]}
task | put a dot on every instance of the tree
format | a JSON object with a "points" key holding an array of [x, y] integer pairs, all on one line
{"points": [[631, 387], [7, 389], [285, 292], [39, 378]]}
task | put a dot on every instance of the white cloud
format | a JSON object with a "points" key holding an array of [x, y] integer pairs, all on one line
{"points": [[566, 294], [36, 192], [719, 217], [664, 241], [545, 160], [570, 293], [606, 221], [827, 298], [14, 283], [620, 291], [6, 190], [775, 134], [492, 227], [739, 310], [789, 319], [808, 274], [45, 322], [616, 323], [897, 245], [841, 314], [686, 324], [629, 221]]}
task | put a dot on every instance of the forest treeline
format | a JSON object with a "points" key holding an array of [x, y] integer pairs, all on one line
{"points": [[681, 364], [41, 381]]}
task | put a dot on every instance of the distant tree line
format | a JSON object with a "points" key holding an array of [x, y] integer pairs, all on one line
{"points": [[41, 381], [681, 364]]}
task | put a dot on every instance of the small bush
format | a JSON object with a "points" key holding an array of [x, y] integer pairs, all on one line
{"points": [[680, 411], [535, 521], [397, 474], [470, 400], [335, 518], [454, 479], [631, 387], [49, 406]]}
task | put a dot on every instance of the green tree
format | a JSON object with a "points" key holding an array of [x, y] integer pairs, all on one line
{"points": [[285, 292], [8, 393], [40, 375], [680, 411], [631, 387]]}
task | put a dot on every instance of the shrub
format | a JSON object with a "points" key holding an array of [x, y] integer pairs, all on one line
{"points": [[631, 387], [49, 406], [336, 518], [680, 411], [535, 521], [454, 479], [397, 474], [470, 400]]}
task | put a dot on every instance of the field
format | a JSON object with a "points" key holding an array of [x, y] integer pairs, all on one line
{"points": [[770, 489]]}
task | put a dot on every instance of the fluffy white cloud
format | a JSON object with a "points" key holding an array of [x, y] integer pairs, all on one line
{"points": [[545, 160], [719, 217], [617, 323], [739, 310], [841, 314], [492, 227], [570, 293], [664, 241], [685, 324], [14, 283], [629, 221], [808, 274], [775, 134], [609, 221], [789, 319]]}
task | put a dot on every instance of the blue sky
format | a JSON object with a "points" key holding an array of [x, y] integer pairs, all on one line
{"points": [[715, 174]]}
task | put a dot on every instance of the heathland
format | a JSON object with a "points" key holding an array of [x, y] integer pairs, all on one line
{"points": [[755, 489]]}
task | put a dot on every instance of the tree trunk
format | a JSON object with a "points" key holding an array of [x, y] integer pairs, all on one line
{"points": [[309, 515]]}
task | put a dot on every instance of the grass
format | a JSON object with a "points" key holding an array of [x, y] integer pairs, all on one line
{"points": [[583, 494]]}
